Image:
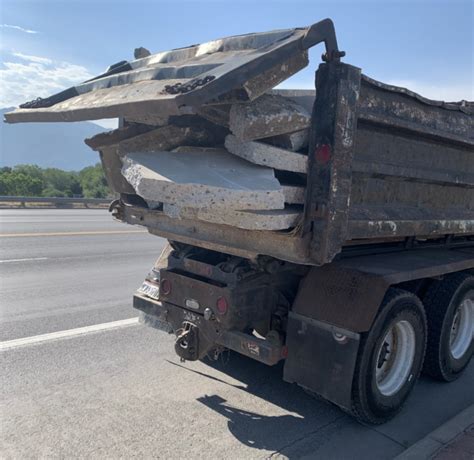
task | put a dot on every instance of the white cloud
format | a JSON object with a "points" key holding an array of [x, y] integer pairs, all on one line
{"points": [[21, 29], [36, 76], [27, 57]]}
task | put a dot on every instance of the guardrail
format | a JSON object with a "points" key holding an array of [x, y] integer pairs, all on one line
{"points": [[56, 202]]}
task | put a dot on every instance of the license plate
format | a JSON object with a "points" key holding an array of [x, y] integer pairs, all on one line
{"points": [[150, 290], [153, 321]]}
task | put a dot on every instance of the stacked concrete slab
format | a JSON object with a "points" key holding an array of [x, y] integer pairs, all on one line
{"points": [[242, 165], [211, 179]]}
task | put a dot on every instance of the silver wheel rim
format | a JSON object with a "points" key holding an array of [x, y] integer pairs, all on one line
{"points": [[395, 357], [462, 327]]}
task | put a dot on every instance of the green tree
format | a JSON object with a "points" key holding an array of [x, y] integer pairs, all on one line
{"points": [[53, 192], [31, 180], [19, 184], [65, 182], [4, 185], [93, 182], [30, 170]]}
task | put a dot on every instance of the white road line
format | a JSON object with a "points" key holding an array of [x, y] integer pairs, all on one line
{"points": [[7, 261], [16, 343]]}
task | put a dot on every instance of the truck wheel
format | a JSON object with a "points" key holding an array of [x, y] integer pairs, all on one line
{"points": [[390, 358], [450, 312]]}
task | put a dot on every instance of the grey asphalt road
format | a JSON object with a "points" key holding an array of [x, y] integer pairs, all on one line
{"points": [[123, 393], [68, 268]]}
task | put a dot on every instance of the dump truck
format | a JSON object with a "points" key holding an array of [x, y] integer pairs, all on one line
{"points": [[332, 230]]}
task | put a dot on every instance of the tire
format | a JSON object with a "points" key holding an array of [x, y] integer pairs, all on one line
{"points": [[390, 358], [449, 348]]}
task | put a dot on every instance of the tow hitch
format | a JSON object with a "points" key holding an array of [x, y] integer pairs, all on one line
{"points": [[187, 342]]}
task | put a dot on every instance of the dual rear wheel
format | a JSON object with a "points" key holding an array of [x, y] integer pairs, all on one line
{"points": [[392, 354], [450, 312]]}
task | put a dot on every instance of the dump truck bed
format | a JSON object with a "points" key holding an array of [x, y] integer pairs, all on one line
{"points": [[385, 165]]}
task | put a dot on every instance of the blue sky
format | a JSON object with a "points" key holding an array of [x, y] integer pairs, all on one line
{"points": [[48, 45]]}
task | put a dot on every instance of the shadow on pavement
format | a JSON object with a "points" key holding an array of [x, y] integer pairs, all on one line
{"points": [[312, 426], [306, 416], [253, 429]]}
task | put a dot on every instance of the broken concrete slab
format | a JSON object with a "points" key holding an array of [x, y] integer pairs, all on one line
{"points": [[114, 137], [264, 81], [303, 97], [267, 155], [216, 132], [148, 119], [294, 194], [290, 141], [112, 164], [202, 179], [248, 220], [190, 148], [182, 130], [164, 138], [218, 114], [260, 84], [269, 115]]}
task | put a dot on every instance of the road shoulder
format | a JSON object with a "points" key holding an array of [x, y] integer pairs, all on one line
{"points": [[454, 439]]}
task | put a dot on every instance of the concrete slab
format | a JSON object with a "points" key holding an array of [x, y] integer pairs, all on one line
{"points": [[269, 115], [292, 141], [264, 81], [190, 148], [114, 137], [112, 165], [165, 138], [303, 97], [294, 194], [260, 84], [202, 179], [148, 119], [267, 155], [248, 220], [218, 114], [145, 138]]}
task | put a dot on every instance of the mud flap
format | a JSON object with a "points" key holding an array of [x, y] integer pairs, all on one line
{"points": [[321, 358]]}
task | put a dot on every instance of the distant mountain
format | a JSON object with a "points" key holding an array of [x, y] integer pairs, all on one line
{"points": [[56, 145]]}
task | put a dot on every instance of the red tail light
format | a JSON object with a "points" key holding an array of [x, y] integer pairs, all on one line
{"points": [[165, 287], [222, 305]]}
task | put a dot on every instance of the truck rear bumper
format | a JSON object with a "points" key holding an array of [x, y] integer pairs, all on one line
{"points": [[167, 317], [153, 314]]}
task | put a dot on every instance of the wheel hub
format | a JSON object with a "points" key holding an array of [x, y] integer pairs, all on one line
{"points": [[384, 355], [462, 328], [395, 357]]}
